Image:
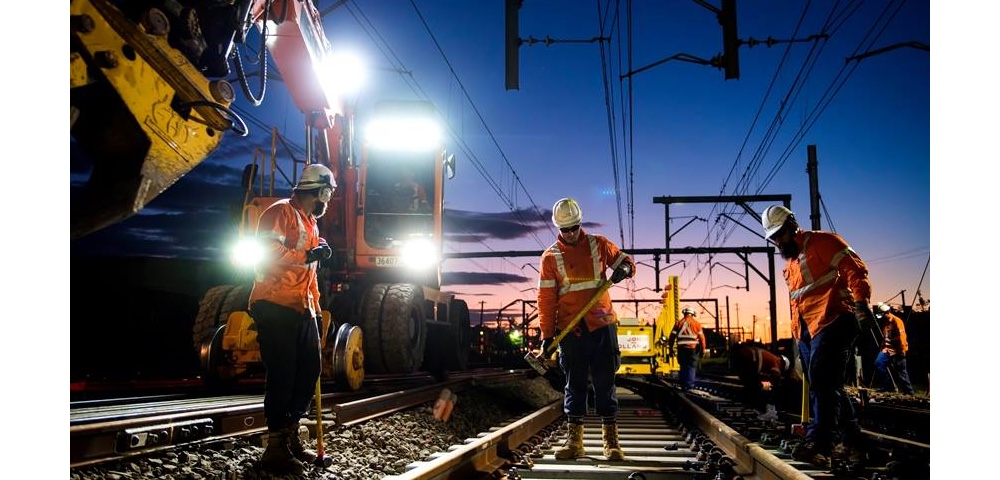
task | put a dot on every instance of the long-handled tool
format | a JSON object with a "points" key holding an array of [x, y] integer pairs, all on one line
{"points": [[555, 376], [322, 460]]}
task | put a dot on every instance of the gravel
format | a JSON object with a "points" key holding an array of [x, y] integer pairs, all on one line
{"points": [[373, 449]]}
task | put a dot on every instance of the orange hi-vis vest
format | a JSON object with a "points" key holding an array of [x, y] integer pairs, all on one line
{"points": [[688, 333], [894, 334], [824, 281], [284, 278], [568, 277]]}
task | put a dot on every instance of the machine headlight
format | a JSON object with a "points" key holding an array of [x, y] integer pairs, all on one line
{"points": [[404, 134], [247, 253], [419, 254]]}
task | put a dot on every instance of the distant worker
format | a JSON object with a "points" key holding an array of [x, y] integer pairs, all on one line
{"points": [[570, 274], [754, 365], [890, 364], [829, 292], [412, 195], [690, 338], [285, 307]]}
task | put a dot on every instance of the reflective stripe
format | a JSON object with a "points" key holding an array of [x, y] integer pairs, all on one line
{"points": [[619, 260], [546, 283], [807, 276], [301, 244], [686, 336], [569, 286]]}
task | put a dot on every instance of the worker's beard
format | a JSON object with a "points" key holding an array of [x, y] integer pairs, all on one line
{"points": [[789, 249], [319, 209]]}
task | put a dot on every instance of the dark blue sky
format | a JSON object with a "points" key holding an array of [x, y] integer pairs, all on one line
{"points": [[575, 128]]}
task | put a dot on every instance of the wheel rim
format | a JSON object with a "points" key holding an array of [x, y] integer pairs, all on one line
{"points": [[349, 357]]}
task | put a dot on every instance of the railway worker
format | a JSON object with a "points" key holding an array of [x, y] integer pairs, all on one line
{"points": [[690, 339], [892, 357], [829, 293], [570, 274], [412, 195], [284, 304], [755, 365]]}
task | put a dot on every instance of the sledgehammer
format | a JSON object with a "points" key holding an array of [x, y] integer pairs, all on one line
{"points": [[540, 363]]}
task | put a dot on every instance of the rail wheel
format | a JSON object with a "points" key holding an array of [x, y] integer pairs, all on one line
{"points": [[348, 357], [214, 364], [395, 331], [209, 326]]}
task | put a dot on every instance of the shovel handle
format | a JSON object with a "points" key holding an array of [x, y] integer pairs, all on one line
{"points": [[604, 286]]}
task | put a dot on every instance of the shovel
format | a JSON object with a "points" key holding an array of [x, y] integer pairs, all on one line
{"points": [[541, 363]]}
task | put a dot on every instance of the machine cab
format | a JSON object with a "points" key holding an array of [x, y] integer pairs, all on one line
{"points": [[402, 178]]}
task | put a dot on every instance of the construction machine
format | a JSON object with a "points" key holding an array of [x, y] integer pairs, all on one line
{"points": [[149, 102], [644, 347]]}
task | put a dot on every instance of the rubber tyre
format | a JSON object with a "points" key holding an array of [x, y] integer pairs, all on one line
{"points": [[461, 335], [395, 332]]}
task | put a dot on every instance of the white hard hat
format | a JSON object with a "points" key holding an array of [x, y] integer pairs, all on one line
{"points": [[317, 176], [773, 219], [566, 213], [687, 311], [881, 308]]}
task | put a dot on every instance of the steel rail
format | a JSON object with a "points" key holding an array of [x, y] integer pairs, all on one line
{"points": [[112, 433]]}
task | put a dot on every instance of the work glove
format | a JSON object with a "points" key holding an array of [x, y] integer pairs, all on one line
{"points": [[863, 313], [320, 253], [622, 272], [546, 343]]}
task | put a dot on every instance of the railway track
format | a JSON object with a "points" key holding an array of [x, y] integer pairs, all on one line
{"points": [[665, 433], [114, 429]]}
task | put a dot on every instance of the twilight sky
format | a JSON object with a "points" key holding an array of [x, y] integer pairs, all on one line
{"points": [[575, 128]]}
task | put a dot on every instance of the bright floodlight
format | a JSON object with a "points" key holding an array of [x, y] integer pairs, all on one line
{"points": [[247, 253], [343, 73], [405, 134], [419, 254]]}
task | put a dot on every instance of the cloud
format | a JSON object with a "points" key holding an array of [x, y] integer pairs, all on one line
{"points": [[481, 278], [463, 226]]}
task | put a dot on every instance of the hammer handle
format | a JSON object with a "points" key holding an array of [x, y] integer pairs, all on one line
{"points": [[605, 285]]}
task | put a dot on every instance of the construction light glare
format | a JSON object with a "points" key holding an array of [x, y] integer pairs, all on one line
{"points": [[406, 134], [419, 254], [344, 73], [247, 253]]}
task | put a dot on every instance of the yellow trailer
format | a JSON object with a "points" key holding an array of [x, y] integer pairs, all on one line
{"points": [[644, 347]]}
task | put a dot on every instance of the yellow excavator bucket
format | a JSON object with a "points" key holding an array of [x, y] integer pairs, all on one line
{"points": [[140, 112]]}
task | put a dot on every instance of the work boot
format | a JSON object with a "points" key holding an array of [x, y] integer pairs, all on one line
{"points": [[612, 447], [573, 447], [852, 457], [809, 452], [299, 451], [277, 458]]}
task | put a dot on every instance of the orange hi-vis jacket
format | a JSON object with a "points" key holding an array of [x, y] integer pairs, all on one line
{"points": [[824, 281], [284, 278], [894, 334], [688, 333], [569, 276]]}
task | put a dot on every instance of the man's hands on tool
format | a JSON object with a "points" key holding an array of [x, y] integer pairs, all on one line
{"points": [[622, 272], [546, 343], [322, 252]]}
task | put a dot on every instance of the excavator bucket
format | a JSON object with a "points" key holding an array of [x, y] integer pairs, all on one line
{"points": [[141, 113]]}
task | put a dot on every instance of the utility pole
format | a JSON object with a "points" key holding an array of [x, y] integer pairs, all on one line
{"points": [[729, 329], [482, 304], [812, 168]]}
